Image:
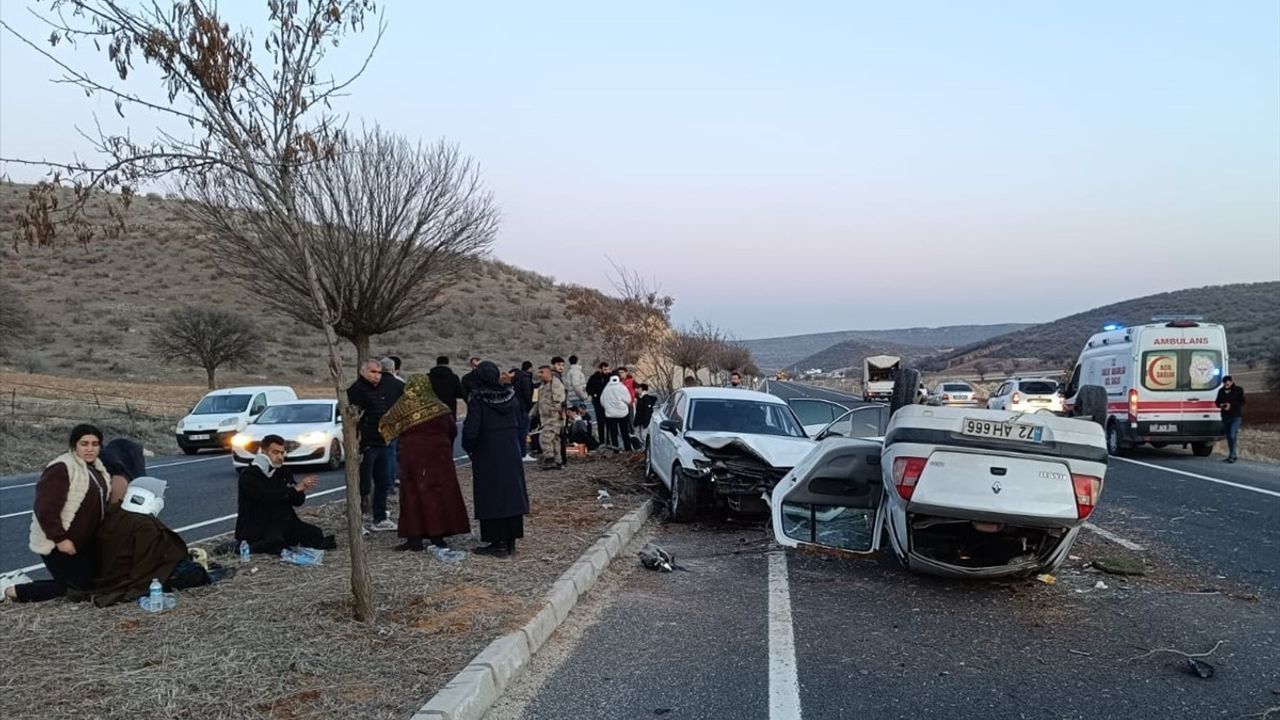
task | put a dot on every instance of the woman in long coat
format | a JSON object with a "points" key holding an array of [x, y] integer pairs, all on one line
{"points": [[431, 504], [491, 436]]}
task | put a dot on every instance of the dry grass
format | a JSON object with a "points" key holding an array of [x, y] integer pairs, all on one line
{"points": [[94, 306], [279, 643]]}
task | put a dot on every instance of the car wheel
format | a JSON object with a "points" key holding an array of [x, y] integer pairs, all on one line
{"points": [[1202, 449], [684, 497], [904, 389], [190, 450], [335, 456], [1091, 404], [1114, 444]]}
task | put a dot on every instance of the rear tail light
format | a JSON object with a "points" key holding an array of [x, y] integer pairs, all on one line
{"points": [[1017, 398], [1087, 489], [906, 472], [1133, 405]]}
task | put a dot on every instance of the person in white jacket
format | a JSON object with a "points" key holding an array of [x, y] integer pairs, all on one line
{"points": [[575, 383], [616, 400]]}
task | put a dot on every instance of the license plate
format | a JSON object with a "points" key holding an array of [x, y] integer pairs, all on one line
{"points": [[1164, 427], [1002, 431], [199, 437]]}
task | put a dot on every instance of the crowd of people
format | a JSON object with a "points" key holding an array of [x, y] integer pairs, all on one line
{"points": [[95, 518]]}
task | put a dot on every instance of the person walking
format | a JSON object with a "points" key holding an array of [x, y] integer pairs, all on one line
{"points": [[431, 504], [490, 439], [70, 502], [595, 388], [522, 383], [376, 473], [1230, 401], [550, 409], [575, 383], [447, 385], [617, 408]]}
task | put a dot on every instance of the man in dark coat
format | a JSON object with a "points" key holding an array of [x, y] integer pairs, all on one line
{"points": [[469, 380], [595, 387], [490, 436], [522, 383], [374, 398], [1230, 401], [446, 385], [267, 498]]}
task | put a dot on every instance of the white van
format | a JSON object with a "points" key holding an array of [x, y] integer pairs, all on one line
{"points": [[1161, 381], [223, 413]]}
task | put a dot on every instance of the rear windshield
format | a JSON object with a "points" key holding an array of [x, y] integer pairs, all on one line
{"points": [[1168, 370], [222, 405], [1038, 387], [956, 387]]}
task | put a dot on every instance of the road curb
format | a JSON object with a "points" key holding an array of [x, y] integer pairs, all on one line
{"points": [[475, 689]]}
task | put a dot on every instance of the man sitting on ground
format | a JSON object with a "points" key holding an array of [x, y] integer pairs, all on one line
{"points": [[580, 432], [268, 496]]}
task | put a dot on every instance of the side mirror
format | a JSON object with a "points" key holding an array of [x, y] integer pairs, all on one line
{"points": [[670, 426]]}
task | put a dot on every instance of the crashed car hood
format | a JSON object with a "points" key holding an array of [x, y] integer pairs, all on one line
{"points": [[777, 451]]}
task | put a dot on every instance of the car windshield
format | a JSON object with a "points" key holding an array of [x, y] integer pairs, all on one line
{"points": [[285, 414], [1039, 387], [222, 404], [744, 416], [956, 387]]}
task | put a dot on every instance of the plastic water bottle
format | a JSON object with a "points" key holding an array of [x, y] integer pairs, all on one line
{"points": [[244, 552], [155, 600], [448, 555]]}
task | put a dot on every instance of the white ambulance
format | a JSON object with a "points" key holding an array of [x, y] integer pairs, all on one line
{"points": [[1161, 381]]}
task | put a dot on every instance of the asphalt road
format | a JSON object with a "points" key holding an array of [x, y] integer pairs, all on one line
{"points": [[750, 632], [200, 502]]}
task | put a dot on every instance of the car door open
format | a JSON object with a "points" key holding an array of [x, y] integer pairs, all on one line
{"points": [[832, 499], [815, 414]]}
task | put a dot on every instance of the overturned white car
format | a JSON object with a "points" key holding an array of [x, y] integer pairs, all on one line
{"points": [[721, 447], [961, 491]]}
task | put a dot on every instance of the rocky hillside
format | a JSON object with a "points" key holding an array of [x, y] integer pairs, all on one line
{"points": [[796, 350], [92, 307]]}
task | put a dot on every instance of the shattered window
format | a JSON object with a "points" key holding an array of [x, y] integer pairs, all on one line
{"points": [[836, 526]]}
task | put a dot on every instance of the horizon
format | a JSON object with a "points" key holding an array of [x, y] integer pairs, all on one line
{"points": [[853, 166]]}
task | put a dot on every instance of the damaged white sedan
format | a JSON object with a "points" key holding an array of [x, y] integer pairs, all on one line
{"points": [[961, 492], [719, 447]]}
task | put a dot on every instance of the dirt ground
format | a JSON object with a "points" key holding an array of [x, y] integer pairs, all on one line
{"points": [[277, 641]]}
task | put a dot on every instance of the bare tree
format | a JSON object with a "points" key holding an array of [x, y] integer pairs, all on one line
{"points": [[981, 369], [206, 337], [15, 319], [629, 325], [258, 109], [391, 225], [733, 356]]}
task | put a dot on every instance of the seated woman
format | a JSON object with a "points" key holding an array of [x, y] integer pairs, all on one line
{"points": [[71, 498], [134, 548]]}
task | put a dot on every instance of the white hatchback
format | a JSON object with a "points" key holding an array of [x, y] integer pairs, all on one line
{"points": [[1027, 395], [311, 429], [962, 492]]}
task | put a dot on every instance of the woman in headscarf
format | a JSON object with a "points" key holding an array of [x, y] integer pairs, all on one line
{"points": [[491, 437], [431, 504], [71, 498]]}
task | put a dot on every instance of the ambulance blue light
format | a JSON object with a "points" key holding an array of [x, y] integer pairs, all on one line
{"points": [[1112, 326]]}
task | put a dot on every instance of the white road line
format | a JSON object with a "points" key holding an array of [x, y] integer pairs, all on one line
{"points": [[784, 684], [1122, 542], [15, 487], [188, 462], [1228, 483], [17, 514]]}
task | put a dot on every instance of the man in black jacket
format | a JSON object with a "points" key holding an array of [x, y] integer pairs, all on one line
{"points": [[1231, 402], [522, 383], [447, 386], [266, 500], [595, 386], [468, 380], [376, 474]]}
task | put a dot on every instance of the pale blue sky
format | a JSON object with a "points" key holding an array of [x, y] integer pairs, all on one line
{"points": [[823, 166]]}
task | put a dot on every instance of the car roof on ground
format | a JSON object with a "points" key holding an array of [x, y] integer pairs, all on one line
{"points": [[717, 393]]}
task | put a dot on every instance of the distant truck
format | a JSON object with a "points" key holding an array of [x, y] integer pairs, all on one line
{"points": [[878, 372]]}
